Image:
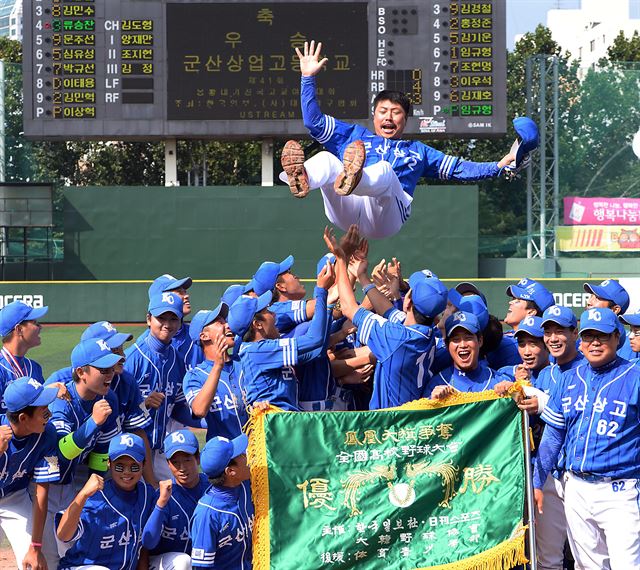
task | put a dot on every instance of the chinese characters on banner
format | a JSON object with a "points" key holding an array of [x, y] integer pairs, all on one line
{"points": [[413, 487]]}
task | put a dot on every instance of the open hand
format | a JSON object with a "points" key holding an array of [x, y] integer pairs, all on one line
{"points": [[310, 62]]}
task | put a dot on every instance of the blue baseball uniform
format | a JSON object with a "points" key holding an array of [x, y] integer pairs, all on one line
{"points": [[506, 354], [227, 413], [404, 354], [550, 375], [190, 352], [267, 365], [12, 367], [289, 314], [110, 529], [169, 528], [34, 457], [478, 380], [221, 529]]}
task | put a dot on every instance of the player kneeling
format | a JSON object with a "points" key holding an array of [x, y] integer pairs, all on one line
{"points": [[105, 520]]}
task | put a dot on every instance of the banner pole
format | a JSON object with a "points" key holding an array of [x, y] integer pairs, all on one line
{"points": [[533, 558]]}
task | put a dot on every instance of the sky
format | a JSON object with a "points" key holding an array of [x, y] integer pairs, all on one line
{"points": [[524, 15]]}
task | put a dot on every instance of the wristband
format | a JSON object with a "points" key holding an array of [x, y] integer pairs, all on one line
{"points": [[36, 544], [368, 288]]}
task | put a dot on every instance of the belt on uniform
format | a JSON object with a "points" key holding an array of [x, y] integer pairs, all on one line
{"points": [[591, 477], [317, 405]]}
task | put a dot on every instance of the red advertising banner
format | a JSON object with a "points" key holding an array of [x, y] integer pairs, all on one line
{"points": [[580, 211]]}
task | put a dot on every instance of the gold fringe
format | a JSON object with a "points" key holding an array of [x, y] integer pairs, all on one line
{"points": [[455, 399], [505, 555]]}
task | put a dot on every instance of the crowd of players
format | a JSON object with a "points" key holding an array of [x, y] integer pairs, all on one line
{"points": [[74, 449]]}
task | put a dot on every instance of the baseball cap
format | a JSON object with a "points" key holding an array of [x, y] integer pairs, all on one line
{"points": [[243, 310], [128, 444], [530, 325], [166, 283], [265, 278], [180, 440], [231, 293], [427, 299], [16, 312], [431, 278], [219, 451], [531, 290], [466, 287], [26, 391], [107, 332], [475, 305], [166, 303], [323, 261], [599, 319], [203, 318], [610, 290], [93, 352], [631, 319], [560, 315], [462, 319], [527, 132]]}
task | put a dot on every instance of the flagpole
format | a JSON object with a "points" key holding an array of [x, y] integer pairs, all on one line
{"points": [[533, 558]]}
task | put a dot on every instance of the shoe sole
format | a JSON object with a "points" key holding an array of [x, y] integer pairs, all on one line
{"points": [[292, 161], [353, 160]]}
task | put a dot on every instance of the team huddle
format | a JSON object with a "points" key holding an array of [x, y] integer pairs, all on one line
{"points": [[100, 468]]}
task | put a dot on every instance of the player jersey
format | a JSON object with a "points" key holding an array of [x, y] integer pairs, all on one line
{"points": [[12, 367], [506, 354], [221, 529], [599, 409], [478, 380], [626, 351], [550, 375], [227, 413], [404, 354], [75, 417], [34, 457], [410, 160], [109, 533], [157, 367], [289, 314], [172, 523], [509, 373], [189, 351]]}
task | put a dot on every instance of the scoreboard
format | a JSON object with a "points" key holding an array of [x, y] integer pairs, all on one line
{"points": [[161, 69]]}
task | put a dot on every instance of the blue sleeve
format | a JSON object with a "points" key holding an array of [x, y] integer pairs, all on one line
{"points": [[289, 314], [383, 337], [47, 470], [547, 457], [311, 344], [153, 528], [65, 424], [552, 414], [446, 167], [395, 315], [182, 413], [204, 538], [506, 373]]}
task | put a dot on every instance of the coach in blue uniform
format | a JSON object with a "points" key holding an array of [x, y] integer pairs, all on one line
{"points": [[222, 523], [212, 388], [28, 452], [102, 527], [383, 190], [167, 534], [592, 417], [20, 332], [267, 360]]}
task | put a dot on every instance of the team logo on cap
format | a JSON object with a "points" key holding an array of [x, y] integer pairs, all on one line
{"points": [[605, 283], [109, 327], [460, 316], [34, 383], [103, 345], [555, 311], [594, 315], [167, 298], [169, 276], [427, 273], [523, 282], [177, 437], [126, 440], [529, 321]]}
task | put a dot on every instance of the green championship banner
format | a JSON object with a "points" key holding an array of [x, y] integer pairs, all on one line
{"points": [[426, 485]]}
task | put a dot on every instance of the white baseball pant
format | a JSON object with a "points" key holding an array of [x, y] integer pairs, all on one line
{"points": [[378, 203], [603, 519], [170, 561], [15, 519], [551, 527]]}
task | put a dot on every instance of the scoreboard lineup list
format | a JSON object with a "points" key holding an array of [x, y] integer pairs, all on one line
{"points": [[162, 69]]}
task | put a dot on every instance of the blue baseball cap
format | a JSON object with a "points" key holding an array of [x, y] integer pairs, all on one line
{"points": [[599, 319], [265, 278], [466, 287], [427, 299], [180, 440], [107, 332], [528, 135], [166, 303], [219, 451], [531, 326], [475, 305], [610, 290], [323, 262], [631, 319], [461, 319], [93, 352], [127, 444], [166, 283], [231, 293], [243, 310], [204, 318], [26, 391], [17, 312], [428, 276], [531, 290], [560, 315]]}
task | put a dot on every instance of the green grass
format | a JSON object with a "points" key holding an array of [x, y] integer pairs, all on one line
{"points": [[58, 342]]}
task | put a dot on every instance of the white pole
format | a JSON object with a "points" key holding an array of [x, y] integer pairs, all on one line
{"points": [[171, 163], [267, 162], [533, 558]]}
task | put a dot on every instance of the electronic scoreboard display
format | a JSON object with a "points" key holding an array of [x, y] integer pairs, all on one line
{"points": [[161, 69]]}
